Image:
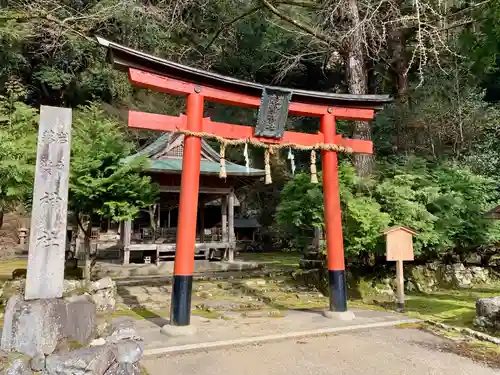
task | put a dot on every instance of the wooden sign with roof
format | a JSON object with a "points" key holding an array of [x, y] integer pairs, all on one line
{"points": [[399, 243], [399, 248]]}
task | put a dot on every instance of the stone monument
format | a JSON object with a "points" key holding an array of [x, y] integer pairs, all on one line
{"points": [[47, 242], [42, 331]]}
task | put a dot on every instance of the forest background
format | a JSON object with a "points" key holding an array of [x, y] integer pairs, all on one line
{"points": [[436, 167]]}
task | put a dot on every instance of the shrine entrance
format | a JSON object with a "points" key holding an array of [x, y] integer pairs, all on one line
{"points": [[274, 104]]}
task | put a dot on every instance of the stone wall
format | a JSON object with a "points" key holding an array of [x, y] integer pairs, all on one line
{"points": [[425, 278], [102, 292], [422, 278], [68, 335]]}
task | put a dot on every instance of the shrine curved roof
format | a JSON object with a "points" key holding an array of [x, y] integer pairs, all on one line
{"points": [[124, 58], [210, 165]]}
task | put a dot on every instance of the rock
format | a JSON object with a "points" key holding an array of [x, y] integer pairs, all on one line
{"points": [[105, 300], [123, 329], [4, 362], [81, 317], [480, 275], [473, 259], [85, 361], [104, 283], [71, 286], [204, 294], [33, 327], [433, 266], [456, 275], [12, 288], [37, 363], [488, 313], [231, 315], [124, 369], [275, 314], [434, 275], [6, 341], [129, 351], [98, 342], [19, 367], [494, 260], [39, 326], [103, 294], [384, 290], [256, 282], [255, 313], [205, 286], [424, 277], [410, 287], [103, 326]]}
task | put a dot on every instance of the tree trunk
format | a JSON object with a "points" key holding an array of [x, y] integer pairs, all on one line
{"points": [[1, 217], [357, 82], [85, 226], [152, 221], [86, 248]]}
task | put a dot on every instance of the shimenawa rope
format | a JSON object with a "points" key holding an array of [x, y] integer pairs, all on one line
{"points": [[270, 149]]}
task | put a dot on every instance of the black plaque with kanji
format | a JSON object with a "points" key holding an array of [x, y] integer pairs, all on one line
{"points": [[273, 113]]}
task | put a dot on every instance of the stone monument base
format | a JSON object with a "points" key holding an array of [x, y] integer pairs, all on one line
{"points": [[61, 336]]}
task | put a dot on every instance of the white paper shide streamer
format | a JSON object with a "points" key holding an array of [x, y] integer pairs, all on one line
{"points": [[247, 160], [291, 157]]}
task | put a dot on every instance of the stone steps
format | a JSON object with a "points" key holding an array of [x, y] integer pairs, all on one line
{"points": [[213, 276]]}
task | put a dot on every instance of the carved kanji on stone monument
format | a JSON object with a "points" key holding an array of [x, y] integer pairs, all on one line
{"points": [[50, 201]]}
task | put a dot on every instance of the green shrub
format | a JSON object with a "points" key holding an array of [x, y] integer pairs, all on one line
{"points": [[444, 203]]}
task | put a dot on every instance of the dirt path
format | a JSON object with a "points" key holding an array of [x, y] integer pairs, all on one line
{"points": [[382, 351]]}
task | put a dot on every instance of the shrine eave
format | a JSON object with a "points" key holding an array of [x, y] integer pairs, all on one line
{"points": [[174, 165], [207, 168], [124, 58]]}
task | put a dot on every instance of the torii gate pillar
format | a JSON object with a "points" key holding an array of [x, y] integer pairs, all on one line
{"points": [[333, 221], [188, 206]]}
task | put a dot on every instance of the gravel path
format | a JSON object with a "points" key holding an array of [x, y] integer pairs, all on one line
{"points": [[376, 352]]}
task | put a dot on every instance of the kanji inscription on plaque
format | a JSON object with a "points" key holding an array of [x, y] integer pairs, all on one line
{"points": [[273, 113], [47, 243]]}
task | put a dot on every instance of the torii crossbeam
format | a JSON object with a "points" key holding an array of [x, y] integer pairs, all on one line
{"points": [[199, 86]]}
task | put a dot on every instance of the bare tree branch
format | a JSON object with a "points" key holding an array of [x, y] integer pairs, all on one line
{"points": [[304, 4], [308, 29], [232, 22]]}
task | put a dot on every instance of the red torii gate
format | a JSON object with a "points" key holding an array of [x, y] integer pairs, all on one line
{"points": [[199, 86]]}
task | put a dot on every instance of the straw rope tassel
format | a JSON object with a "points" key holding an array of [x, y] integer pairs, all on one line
{"points": [[222, 172], [267, 167], [314, 174], [269, 149]]}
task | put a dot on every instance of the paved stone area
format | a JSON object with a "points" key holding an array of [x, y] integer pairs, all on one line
{"points": [[242, 325], [393, 351]]}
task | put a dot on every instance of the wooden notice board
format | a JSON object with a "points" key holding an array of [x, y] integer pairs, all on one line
{"points": [[399, 244]]}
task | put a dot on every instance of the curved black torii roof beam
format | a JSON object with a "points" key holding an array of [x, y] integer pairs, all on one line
{"points": [[124, 58]]}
